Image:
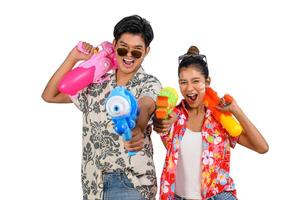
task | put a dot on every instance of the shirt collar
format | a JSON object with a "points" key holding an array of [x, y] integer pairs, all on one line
{"points": [[182, 108], [136, 75]]}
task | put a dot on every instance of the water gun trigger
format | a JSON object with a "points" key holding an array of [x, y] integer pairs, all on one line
{"points": [[101, 78], [132, 124]]}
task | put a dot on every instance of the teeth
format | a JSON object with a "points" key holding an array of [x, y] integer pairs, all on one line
{"points": [[128, 60], [192, 96]]}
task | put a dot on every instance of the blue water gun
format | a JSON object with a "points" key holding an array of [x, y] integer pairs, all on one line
{"points": [[122, 107]]}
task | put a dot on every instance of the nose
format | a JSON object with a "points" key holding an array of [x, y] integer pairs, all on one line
{"points": [[189, 87], [129, 53]]}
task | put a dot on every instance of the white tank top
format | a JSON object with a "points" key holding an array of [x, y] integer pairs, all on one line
{"points": [[188, 171]]}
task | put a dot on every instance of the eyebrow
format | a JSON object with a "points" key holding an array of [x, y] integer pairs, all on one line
{"points": [[136, 47], [194, 78]]}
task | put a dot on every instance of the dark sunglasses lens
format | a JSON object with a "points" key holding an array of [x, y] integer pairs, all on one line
{"points": [[122, 51], [136, 54]]}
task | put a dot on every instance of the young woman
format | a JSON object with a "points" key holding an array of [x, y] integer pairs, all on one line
{"points": [[197, 162]]}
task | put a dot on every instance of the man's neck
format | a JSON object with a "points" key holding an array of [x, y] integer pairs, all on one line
{"points": [[123, 78]]}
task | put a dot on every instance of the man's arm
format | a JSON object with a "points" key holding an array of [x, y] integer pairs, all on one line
{"points": [[147, 107], [51, 94]]}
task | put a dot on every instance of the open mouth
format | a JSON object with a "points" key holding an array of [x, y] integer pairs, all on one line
{"points": [[128, 63], [192, 97]]}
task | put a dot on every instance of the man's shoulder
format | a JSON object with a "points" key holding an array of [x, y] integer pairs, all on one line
{"points": [[98, 89], [146, 77], [152, 77], [142, 72]]}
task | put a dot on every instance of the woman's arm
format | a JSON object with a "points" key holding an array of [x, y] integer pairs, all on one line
{"points": [[163, 127], [250, 137]]}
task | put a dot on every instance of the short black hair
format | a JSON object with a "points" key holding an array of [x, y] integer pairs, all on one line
{"points": [[136, 25]]}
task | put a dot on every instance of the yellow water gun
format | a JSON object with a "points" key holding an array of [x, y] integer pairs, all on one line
{"points": [[211, 100]]}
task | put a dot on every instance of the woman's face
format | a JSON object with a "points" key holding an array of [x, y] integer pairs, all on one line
{"points": [[192, 85]]}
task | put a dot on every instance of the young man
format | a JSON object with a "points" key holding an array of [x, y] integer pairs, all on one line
{"points": [[107, 171]]}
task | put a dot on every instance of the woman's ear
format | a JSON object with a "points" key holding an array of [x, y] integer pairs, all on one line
{"points": [[208, 81], [114, 42]]}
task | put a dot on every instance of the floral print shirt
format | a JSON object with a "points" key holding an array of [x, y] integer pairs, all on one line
{"points": [[215, 159], [103, 150]]}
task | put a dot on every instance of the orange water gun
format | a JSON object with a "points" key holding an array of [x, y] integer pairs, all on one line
{"points": [[166, 101], [211, 100]]}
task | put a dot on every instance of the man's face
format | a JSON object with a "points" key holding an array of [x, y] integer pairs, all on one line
{"points": [[130, 51]]}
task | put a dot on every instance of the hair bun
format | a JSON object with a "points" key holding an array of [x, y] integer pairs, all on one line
{"points": [[193, 50]]}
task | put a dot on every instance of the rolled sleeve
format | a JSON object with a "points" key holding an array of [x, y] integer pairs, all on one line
{"points": [[80, 99]]}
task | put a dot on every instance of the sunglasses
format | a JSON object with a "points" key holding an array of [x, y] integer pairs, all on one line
{"points": [[199, 56], [123, 52]]}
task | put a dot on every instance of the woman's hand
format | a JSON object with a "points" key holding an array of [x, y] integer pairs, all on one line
{"points": [[228, 107], [250, 137], [163, 126]]}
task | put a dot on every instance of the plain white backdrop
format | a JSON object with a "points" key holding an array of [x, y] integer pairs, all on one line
{"points": [[252, 49]]}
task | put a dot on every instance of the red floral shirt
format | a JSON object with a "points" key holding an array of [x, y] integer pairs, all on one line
{"points": [[215, 158]]}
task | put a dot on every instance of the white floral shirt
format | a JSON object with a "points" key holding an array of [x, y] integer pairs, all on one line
{"points": [[103, 149]]}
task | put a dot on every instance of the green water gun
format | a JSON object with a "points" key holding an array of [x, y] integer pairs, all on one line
{"points": [[165, 103]]}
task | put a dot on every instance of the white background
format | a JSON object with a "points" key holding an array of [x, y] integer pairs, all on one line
{"points": [[253, 52]]}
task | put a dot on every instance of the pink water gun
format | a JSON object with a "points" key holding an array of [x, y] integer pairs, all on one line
{"points": [[93, 70]]}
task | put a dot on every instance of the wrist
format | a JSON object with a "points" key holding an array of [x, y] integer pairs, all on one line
{"points": [[72, 59], [236, 111]]}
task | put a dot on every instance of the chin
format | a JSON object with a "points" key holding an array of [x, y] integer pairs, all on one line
{"points": [[128, 70], [193, 105]]}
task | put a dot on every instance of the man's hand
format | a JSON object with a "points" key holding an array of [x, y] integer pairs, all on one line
{"points": [[137, 141], [76, 55], [163, 126]]}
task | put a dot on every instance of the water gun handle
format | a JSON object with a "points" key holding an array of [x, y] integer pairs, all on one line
{"points": [[125, 131]]}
